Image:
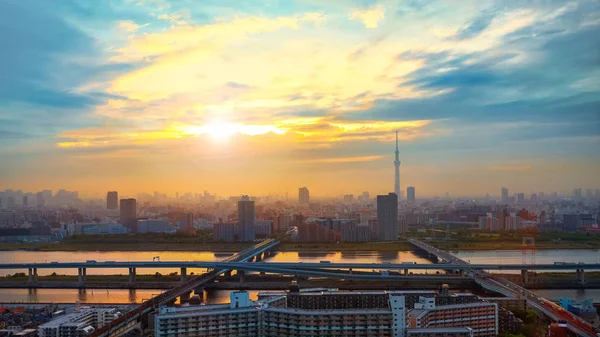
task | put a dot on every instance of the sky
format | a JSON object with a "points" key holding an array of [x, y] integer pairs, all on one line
{"points": [[257, 97]]}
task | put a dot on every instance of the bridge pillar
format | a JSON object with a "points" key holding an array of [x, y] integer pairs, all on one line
{"points": [[32, 275], [262, 273], [259, 257], [242, 276], [228, 273], [183, 274], [350, 271], [405, 272], [524, 277], [581, 276], [185, 297], [199, 291], [131, 275], [81, 275], [461, 273]]}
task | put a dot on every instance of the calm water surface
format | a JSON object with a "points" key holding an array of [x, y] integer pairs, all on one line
{"points": [[222, 296]]}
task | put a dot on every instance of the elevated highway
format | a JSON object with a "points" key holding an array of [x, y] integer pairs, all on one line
{"points": [[502, 286], [254, 266], [125, 322]]}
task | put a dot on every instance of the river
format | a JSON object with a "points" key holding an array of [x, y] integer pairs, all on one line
{"points": [[221, 296]]}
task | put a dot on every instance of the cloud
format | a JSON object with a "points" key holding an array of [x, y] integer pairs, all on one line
{"points": [[477, 26], [342, 160], [186, 36], [369, 17], [271, 86], [37, 47], [129, 26], [511, 167]]}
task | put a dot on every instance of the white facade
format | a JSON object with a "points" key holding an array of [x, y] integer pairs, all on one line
{"points": [[155, 226], [87, 228], [78, 324], [489, 222], [398, 306], [512, 222]]}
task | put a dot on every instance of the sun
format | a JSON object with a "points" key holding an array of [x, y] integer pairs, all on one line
{"points": [[220, 131]]}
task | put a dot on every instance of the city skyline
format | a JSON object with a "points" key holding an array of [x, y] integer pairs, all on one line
{"points": [[357, 195], [268, 98]]}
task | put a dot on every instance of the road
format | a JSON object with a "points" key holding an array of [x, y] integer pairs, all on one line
{"points": [[574, 323]]}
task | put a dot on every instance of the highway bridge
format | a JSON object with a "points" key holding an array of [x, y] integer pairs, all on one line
{"points": [[125, 322], [502, 286], [450, 264]]}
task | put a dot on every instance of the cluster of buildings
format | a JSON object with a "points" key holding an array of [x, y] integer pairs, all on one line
{"points": [[82, 322], [51, 321], [242, 218], [322, 312]]}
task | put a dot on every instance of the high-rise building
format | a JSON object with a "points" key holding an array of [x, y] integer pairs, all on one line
{"points": [[348, 197], [589, 193], [128, 215], [112, 200], [224, 231], [397, 170], [25, 200], [489, 223], [40, 199], [520, 198], [246, 219], [186, 221], [387, 217], [512, 222], [303, 196], [577, 193], [410, 194], [504, 195]]}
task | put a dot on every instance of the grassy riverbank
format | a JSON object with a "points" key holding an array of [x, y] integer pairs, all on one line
{"points": [[455, 246], [470, 239], [21, 277], [201, 242]]}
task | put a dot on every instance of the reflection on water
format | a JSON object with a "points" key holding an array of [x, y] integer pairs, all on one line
{"points": [[46, 257], [222, 296], [541, 256], [357, 257], [107, 296]]}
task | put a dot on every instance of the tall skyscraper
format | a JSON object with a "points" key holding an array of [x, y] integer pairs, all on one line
{"points": [[520, 198], [246, 219], [112, 200], [410, 194], [387, 217], [397, 168], [39, 198], [303, 195], [128, 215], [504, 194]]}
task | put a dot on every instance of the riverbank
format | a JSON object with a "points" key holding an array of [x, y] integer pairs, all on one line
{"points": [[128, 247], [207, 247], [482, 246], [230, 247]]}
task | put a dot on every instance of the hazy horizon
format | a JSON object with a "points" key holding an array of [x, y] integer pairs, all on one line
{"points": [[239, 98]]}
